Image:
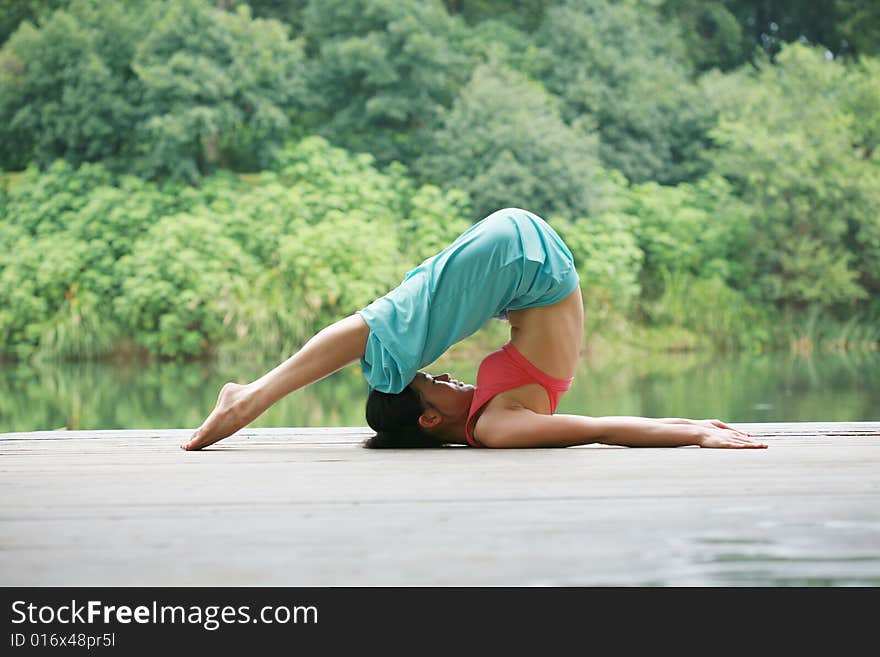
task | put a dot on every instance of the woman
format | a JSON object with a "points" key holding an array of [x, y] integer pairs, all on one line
{"points": [[511, 265]]}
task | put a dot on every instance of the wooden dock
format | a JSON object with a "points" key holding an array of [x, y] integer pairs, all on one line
{"points": [[310, 507]]}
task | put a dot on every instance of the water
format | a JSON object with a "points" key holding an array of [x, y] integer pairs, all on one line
{"points": [[736, 388]]}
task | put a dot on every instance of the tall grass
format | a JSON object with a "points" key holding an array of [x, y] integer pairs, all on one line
{"points": [[818, 330], [266, 322], [720, 318], [77, 332], [709, 308]]}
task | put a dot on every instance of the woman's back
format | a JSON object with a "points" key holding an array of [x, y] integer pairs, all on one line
{"points": [[551, 337]]}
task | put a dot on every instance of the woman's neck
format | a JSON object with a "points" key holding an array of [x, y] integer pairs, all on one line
{"points": [[453, 434]]}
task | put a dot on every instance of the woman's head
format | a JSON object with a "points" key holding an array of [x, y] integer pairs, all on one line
{"points": [[430, 411]]}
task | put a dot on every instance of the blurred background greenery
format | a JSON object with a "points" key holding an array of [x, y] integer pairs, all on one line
{"points": [[192, 188]]}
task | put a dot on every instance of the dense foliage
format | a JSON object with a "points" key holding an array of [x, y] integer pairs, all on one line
{"points": [[201, 174]]}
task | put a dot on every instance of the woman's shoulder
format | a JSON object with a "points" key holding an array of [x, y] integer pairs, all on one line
{"points": [[493, 413]]}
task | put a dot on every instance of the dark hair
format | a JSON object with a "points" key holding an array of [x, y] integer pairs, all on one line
{"points": [[395, 419]]}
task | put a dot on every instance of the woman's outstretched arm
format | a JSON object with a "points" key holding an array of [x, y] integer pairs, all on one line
{"points": [[525, 428], [329, 350]]}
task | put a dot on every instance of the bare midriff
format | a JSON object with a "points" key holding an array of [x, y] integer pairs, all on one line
{"points": [[551, 337]]}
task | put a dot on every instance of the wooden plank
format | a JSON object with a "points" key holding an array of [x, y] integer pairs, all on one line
{"points": [[309, 507]]}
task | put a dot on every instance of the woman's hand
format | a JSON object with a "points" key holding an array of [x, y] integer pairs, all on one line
{"points": [[715, 433]]}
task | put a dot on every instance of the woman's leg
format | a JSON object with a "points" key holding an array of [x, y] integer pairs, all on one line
{"points": [[329, 350]]}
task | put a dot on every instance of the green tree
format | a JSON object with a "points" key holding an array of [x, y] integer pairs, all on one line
{"points": [[621, 64], [861, 100], [290, 12], [700, 229], [787, 142], [218, 90], [504, 142], [695, 237], [859, 26], [178, 304], [712, 34], [45, 301], [67, 89], [61, 235], [608, 260], [496, 41], [174, 89], [432, 220], [92, 262], [845, 27], [381, 71], [14, 12], [331, 233], [525, 15]]}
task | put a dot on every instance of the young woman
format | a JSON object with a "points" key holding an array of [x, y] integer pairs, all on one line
{"points": [[511, 265]]}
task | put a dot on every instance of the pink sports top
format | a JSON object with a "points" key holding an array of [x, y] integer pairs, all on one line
{"points": [[504, 370]]}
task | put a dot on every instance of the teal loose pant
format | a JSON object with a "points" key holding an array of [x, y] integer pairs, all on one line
{"points": [[510, 260]]}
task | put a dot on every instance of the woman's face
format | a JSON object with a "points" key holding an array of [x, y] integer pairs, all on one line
{"points": [[449, 397]]}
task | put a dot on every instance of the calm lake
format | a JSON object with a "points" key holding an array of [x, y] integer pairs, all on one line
{"points": [[735, 388]]}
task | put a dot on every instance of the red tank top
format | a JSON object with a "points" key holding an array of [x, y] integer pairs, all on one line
{"points": [[504, 370]]}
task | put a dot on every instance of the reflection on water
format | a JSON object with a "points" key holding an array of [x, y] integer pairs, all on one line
{"points": [[737, 388], [829, 387]]}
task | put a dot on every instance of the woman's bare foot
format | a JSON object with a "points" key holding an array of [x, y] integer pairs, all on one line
{"points": [[231, 413]]}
